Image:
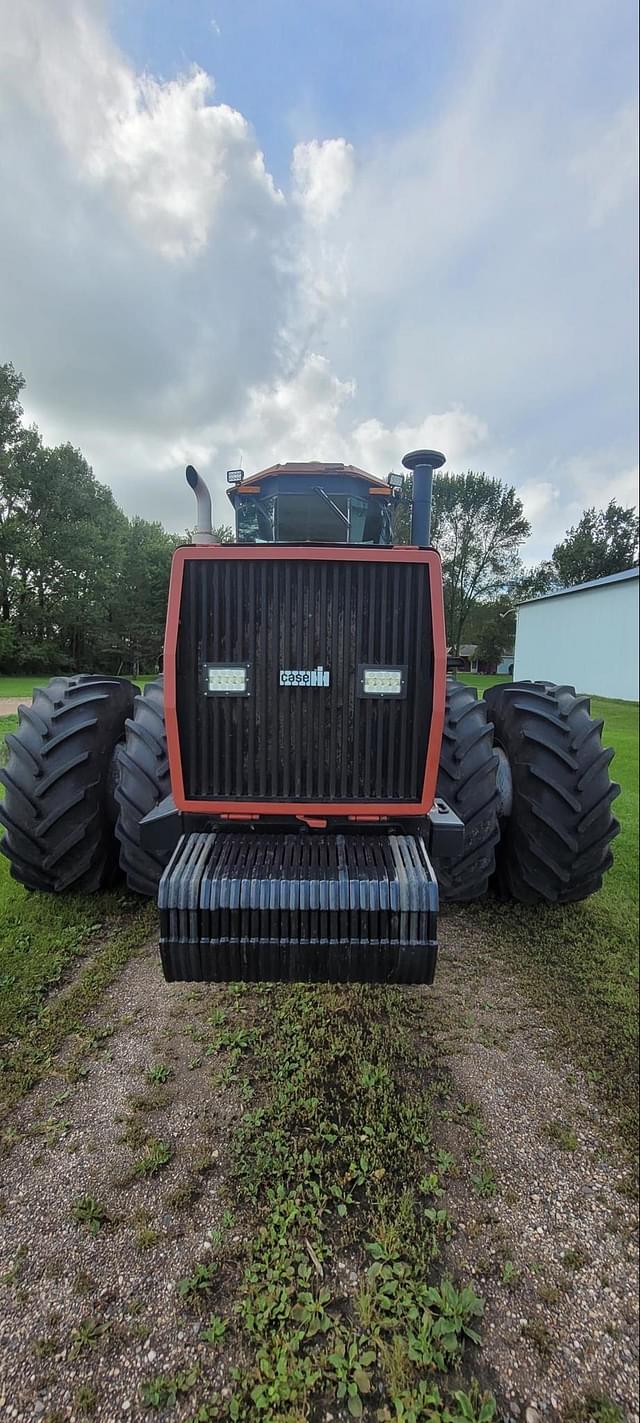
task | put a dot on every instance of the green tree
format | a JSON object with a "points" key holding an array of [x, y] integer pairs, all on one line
{"points": [[492, 627], [136, 629], [477, 525], [81, 585], [18, 447], [604, 541]]}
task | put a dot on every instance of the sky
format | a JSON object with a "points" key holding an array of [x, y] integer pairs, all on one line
{"points": [[236, 232]]}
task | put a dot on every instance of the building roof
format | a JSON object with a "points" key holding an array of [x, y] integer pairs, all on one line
{"points": [[582, 587], [469, 650]]}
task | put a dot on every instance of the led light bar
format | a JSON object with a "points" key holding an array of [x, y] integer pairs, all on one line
{"points": [[227, 679], [383, 681], [235, 476], [395, 481]]}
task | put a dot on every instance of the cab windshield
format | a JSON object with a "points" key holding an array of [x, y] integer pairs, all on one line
{"points": [[313, 515]]}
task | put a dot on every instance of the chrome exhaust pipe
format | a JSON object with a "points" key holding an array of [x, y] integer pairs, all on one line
{"points": [[203, 533]]}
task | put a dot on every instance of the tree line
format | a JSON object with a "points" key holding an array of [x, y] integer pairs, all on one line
{"points": [[83, 586]]}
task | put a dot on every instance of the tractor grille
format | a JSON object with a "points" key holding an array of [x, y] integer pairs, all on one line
{"points": [[304, 743]]}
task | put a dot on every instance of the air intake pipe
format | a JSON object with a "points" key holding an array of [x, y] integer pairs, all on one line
{"points": [[423, 463], [203, 533]]}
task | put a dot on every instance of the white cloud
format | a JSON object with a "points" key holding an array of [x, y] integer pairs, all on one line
{"points": [[595, 478], [539, 498], [322, 177], [167, 156], [457, 433]]}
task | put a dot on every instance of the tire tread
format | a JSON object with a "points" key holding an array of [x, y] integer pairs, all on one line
{"points": [[57, 784], [142, 781], [467, 782], [555, 848]]}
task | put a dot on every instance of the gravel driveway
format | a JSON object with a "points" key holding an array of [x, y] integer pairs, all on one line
{"points": [[543, 1224]]}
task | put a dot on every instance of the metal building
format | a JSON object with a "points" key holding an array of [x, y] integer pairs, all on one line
{"points": [[587, 636]]}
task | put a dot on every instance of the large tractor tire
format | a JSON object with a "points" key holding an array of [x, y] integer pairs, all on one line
{"points": [[142, 781], [58, 809], [467, 781], [558, 826]]}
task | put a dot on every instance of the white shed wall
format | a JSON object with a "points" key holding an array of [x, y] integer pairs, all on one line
{"points": [[588, 638]]}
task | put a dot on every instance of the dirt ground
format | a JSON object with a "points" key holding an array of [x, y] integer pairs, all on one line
{"points": [[9, 705], [544, 1226]]}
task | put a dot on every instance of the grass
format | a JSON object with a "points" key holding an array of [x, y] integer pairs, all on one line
{"points": [[580, 964], [75, 943], [334, 1283]]}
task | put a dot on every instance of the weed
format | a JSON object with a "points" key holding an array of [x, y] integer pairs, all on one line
{"points": [[235, 1040], [14, 1273], [86, 1399], [83, 1283], [510, 1273], [538, 1334], [184, 1194], [88, 1211], [471, 1407], [46, 1347], [562, 1135], [157, 1155], [195, 1288], [54, 1128], [484, 1182], [88, 1335], [146, 1237], [215, 1330], [575, 1259], [593, 1408], [310, 1312], [158, 1074], [164, 1391], [350, 1368]]}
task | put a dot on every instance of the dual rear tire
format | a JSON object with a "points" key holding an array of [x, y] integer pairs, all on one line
{"points": [[59, 810], [523, 768], [555, 845], [87, 762]]}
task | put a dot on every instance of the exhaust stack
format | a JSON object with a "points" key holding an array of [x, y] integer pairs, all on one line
{"points": [[423, 463], [203, 533]]}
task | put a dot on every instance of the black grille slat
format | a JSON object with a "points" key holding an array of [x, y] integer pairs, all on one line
{"points": [[251, 642], [393, 658], [415, 661], [312, 744]]}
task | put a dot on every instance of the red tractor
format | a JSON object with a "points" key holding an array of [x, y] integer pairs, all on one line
{"points": [[304, 783]]}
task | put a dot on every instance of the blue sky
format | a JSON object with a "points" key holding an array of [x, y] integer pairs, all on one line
{"points": [[300, 71], [333, 230]]}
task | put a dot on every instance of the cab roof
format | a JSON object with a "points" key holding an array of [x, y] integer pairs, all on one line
{"points": [[314, 467]]}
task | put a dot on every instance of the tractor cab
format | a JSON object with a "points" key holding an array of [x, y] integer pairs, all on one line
{"points": [[311, 503]]}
